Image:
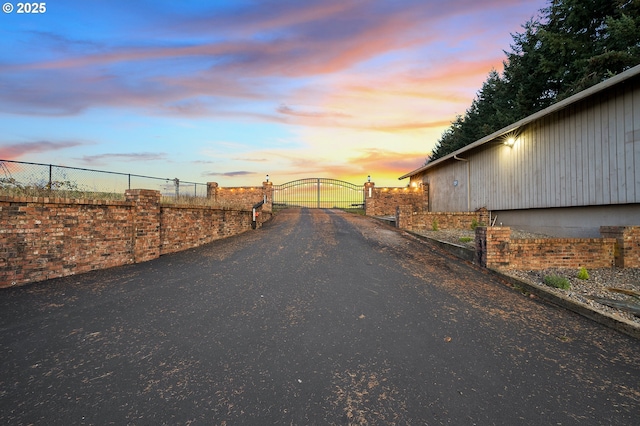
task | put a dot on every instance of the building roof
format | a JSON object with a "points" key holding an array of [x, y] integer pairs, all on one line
{"points": [[632, 72]]}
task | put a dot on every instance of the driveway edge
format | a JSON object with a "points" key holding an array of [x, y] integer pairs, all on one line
{"points": [[620, 324]]}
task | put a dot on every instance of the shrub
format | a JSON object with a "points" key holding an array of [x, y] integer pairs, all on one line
{"points": [[557, 282], [475, 223], [583, 274]]}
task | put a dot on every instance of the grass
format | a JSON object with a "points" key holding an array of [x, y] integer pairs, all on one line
{"points": [[557, 282], [354, 211], [466, 239], [9, 187], [475, 224], [72, 194]]}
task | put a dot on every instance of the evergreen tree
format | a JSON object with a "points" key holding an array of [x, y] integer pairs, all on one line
{"points": [[451, 140], [576, 44], [524, 76]]}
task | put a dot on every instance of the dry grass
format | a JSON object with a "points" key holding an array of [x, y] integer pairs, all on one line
{"points": [[59, 193], [203, 202]]}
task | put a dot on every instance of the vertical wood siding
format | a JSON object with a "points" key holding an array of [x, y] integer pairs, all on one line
{"points": [[585, 154]]}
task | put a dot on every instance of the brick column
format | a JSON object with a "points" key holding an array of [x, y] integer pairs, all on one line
{"points": [[369, 198], [404, 217], [425, 197], [492, 246], [481, 246], [267, 193], [212, 191], [146, 223], [483, 216], [627, 248]]}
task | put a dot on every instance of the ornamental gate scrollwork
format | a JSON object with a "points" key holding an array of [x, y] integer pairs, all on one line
{"points": [[318, 193]]}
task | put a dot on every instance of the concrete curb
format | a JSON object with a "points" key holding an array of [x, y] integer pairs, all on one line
{"points": [[620, 324]]}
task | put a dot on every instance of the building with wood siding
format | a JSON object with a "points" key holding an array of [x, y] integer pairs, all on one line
{"points": [[564, 171]]}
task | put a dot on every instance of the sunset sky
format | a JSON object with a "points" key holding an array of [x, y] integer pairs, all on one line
{"points": [[229, 91]]}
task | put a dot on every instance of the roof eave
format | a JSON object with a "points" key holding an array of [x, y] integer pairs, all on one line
{"points": [[632, 72]]}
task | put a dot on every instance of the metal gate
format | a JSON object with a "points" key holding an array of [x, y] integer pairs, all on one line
{"points": [[318, 193]]}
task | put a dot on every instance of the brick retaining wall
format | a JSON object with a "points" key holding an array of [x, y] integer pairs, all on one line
{"points": [[408, 218], [44, 238], [627, 254], [185, 227], [495, 249]]}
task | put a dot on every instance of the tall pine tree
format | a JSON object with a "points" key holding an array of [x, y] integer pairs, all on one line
{"points": [[576, 44]]}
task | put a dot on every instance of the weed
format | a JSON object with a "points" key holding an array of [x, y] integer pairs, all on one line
{"points": [[521, 289], [434, 225], [557, 282], [465, 239], [475, 223], [583, 274]]}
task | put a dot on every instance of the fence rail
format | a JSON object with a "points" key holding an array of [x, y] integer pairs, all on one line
{"points": [[24, 178]]}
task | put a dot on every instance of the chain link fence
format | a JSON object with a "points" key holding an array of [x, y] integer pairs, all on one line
{"points": [[34, 179]]}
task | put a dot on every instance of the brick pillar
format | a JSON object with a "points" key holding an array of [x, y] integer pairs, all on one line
{"points": [[493, 246], [146, 223], [212, 191], [404, 217], [483, 216], [267, 193], [481, 246], [369, 198], [425, 197], [627, 249]]}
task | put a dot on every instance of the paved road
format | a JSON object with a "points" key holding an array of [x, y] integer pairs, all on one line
{"points": [[318, 318]]}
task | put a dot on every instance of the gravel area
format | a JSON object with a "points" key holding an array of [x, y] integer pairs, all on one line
{"points": [[597, 285]]}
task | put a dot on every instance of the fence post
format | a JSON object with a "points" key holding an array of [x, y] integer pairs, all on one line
{"points": [[212, 191]]}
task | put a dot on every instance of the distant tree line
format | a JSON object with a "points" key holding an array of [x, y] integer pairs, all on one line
{"points": [[572, 45]]}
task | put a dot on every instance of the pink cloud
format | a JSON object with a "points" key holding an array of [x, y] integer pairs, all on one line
{"points": [[17, 150], [127, 157], [239, 173], [238, 55]]}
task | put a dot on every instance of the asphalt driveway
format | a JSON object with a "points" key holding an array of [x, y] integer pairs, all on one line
{"points": [[320, 317]]}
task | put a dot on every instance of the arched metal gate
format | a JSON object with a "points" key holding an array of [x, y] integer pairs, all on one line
{"points": [[319, 193]]}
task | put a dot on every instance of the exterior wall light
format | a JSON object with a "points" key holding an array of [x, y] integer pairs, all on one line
{"points": [[510, 141]]}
